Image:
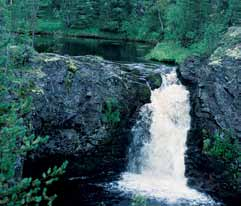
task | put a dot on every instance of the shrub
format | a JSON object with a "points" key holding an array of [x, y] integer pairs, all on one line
{"points": [[111, 113], [20, 55], [138, 200], [16, 139], [223, 145]]}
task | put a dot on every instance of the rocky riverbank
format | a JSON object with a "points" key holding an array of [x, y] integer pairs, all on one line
{"points": [[87, 106], [215, 87]]}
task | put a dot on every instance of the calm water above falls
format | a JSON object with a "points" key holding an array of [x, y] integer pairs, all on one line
{"points": [[108, 49]]}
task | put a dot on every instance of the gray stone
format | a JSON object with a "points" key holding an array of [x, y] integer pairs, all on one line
{"points": [[215, 89], [69, 100]]}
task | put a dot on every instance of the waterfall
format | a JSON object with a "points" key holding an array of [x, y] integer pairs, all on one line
{"points": [[156, 157]]}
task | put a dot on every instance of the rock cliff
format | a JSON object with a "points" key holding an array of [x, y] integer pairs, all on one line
{"points": [[215, 86]]}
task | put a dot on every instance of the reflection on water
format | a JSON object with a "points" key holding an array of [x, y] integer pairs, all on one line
{"points": [[108, 49]]}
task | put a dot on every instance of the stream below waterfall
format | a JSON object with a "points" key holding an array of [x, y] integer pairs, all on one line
{"points": [[156, 166]]}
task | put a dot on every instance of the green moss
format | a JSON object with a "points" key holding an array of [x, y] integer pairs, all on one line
{"points": [[216, 57], [71, 70], [71, 66], [111, 112], [172, 52], [144, 93], [154, 80], [233, 33], [93, 59]]}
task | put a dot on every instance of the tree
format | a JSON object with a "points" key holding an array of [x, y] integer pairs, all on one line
{"points": [[186, 20], [69, 12], [22, 18], [113, 13], [33, 8], [234, 12], [16, 138]]}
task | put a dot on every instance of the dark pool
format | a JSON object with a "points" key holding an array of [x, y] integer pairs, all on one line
{"points": [[108, 49]]}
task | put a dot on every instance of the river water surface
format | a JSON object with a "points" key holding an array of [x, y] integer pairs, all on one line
{"points": [[108, 49]]}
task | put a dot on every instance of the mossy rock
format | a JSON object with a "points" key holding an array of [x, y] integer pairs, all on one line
{"points": [[144, 94], [154, 80], [229, 47], [72, 66]]}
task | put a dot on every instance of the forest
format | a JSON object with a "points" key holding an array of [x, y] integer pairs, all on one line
{"points": [[189, 27], [175, 29]]}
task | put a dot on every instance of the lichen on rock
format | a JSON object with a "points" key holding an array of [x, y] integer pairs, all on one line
{"points": [[229, 47]]}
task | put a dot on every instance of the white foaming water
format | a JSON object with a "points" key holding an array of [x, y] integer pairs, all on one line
{"points": [[157, 170]]}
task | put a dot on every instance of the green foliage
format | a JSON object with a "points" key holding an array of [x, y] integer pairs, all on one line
{"points": [[20, 55], [69, 12], [111, 113], [195, 27], [16, 138], [182, 22], [185, 22], [234, 12], [138, 200], [31, 191], [49, 25], [15, 141], [223, 145], [169, 52], [132, 19]]}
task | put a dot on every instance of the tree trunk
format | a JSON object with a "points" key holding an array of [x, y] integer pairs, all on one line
{"points": [[160, 18]]}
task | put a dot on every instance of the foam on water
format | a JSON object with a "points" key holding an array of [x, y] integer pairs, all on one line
{"points": [[157, 169]]}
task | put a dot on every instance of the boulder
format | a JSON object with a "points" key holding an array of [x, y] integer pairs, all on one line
{"points": [[86, 105]]}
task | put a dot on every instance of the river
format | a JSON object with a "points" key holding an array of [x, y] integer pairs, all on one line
{"points": [[108, 49]]}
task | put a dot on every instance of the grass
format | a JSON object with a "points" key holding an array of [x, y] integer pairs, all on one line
{"points": [[169, 52], [49, 25]]}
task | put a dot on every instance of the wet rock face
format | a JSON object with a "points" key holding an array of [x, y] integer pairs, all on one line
{"points": [[215, 86], [86, 106]]}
